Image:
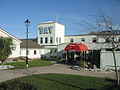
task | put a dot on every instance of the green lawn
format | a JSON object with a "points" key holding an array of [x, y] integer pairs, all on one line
{"points": [[68, 82], [33, 63]]}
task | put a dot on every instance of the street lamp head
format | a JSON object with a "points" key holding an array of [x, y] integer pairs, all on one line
{"points": [[27, 22]]}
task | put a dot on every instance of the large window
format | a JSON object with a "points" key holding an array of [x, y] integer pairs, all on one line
{"points": [[46, 40], [71, 40], [51, 39], [41, 40], [56, 39], [27, 52], [82, 39], [59, 40], [94, 40]]}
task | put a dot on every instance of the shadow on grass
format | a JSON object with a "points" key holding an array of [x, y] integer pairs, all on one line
{"points": [[112, 86], [60, 82], [16, 85]]}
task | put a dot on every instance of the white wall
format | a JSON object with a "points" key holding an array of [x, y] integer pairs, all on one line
{"points": [[77, 39], [88, 38], [106, 58], [46, 35], [31, 53], [60, 49], [45, 53], [57, 31], [16, 49]]}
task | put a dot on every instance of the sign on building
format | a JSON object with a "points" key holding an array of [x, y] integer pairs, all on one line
{"points": [[46, 30]]}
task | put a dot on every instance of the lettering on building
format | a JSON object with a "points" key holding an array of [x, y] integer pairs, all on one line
{"points": [[45, 30]]}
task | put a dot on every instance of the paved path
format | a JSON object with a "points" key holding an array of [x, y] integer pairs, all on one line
{"points": [[57, 68]]}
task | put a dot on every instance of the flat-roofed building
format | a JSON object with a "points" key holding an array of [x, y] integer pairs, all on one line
{"points": [[50, 34]]}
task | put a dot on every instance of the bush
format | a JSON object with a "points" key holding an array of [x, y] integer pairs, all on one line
{"points": [[82, 64], [16, 85], [17, 59]]}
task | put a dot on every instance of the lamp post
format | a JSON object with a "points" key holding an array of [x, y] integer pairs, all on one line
{"points": [[27, 22]]}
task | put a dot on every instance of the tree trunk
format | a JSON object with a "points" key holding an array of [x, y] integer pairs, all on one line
{"points": [[2, 61], [116, 70]]}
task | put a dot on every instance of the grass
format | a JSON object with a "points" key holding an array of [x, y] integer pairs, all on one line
{"points": [[33, 63], [68, 82]]}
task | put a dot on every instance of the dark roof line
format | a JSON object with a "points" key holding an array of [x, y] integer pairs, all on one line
{"points": [[31, 44]]}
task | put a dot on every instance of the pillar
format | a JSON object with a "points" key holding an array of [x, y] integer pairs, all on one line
{"points": [[66, 57], [74, 56]]}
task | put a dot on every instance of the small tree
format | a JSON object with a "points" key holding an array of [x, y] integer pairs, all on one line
{"points": [[5, 48]]}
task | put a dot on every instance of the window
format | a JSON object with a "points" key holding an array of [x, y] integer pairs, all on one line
{"points": [[27, 52], [50, 50], [41, 40], [35, 52], [46, 40], [55, 51], [56, 39], [71, 40], [107, 40], [51, 39], [82, 39], [20, 52], [14, 47], [108, 49], [94, 40], [59, 40], [118, 39]]}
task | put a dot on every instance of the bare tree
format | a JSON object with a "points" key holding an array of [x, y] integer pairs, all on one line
{"points": [[105, 28]]}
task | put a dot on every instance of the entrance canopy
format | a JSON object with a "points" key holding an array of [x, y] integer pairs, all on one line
{"points": [[76, 47]]}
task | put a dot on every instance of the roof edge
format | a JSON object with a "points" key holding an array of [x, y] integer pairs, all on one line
{"points": [[9, 34]]}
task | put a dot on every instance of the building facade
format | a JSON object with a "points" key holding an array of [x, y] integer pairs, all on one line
{"points": [[51, 42], [99, 49], [51, 37], [50, 34], [34, 50]]}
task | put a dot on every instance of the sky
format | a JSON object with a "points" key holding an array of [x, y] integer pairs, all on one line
{"points": [[13, 14]]}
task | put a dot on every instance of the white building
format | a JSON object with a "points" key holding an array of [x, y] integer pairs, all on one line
{"points": [[98, 47], [50, 34], [52, 42], [19, 47], [34, 50], [16, 43], [51, 37]]}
